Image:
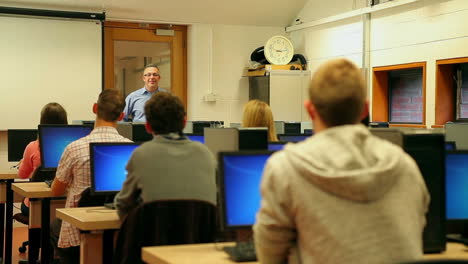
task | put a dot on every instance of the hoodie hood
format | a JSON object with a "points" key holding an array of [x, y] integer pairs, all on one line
{"points": [[348, 161]]}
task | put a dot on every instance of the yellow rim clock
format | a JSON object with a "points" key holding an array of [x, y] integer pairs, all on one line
{"points": [[278, 50]]}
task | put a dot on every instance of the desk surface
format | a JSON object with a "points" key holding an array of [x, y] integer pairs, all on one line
{"points": [[8, 175], [32, 189], [188, 254], [213, 253], [90, 218]]}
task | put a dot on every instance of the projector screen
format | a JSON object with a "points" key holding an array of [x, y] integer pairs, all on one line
{"points": [[46, 60]]}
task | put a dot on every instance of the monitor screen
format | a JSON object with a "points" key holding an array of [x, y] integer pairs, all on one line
{"points": [[198, 138], [139, 133], [293, 138], [456, 184], [276, 146], [240, 176], [450, 145], [54, 138], [18, 139], [108, 162]]}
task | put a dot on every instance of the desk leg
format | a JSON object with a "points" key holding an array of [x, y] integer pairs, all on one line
{"points": [[45, 231], [91, 247], [2, 228], [107, 246], [8, 223], [34, 235]]}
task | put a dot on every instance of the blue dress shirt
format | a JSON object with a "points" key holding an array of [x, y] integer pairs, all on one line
{"points": [[135, 104]]}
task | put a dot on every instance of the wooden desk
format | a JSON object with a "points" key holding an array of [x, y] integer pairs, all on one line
{"points": [[40, 196], [99, 224], [213, 254], [188, 254], [6, 214]]}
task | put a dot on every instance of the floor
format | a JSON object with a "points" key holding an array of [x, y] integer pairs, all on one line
{"points": [[20, 234]]}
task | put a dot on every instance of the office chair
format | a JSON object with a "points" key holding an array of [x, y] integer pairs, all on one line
{"points": [[164, 223]]}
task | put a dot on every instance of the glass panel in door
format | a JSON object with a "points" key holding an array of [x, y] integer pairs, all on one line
{"points": [[130, 58]]}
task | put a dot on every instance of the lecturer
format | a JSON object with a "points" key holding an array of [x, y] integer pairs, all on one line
{"points": [[135, 101]]}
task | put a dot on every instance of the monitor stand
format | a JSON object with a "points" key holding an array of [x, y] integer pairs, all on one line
{"points": [[244, 250]]}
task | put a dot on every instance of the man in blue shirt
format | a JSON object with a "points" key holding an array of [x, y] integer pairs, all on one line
{"points": [[135, 101]]}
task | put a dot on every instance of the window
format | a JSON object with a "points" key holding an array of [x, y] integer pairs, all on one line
{"points": [[462, 91], [405, 90]]}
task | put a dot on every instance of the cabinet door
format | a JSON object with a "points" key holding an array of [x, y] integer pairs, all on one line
{"points": [[286, 95]]}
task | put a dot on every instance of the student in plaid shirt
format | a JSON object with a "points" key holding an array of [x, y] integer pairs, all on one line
{"points": [[73, 172]]}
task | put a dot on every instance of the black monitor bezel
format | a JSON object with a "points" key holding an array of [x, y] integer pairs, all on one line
{"points": [[220, 179], [41, 142], [9, 143], [294, 135], [92, 164]]}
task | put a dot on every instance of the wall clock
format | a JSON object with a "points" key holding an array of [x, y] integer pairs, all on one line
{"points": [[279, 50]]}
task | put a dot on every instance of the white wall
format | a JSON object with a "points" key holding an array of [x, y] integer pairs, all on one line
{"points": [[427, 30], [217, 56]]}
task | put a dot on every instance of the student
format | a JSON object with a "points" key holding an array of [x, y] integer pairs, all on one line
{"points": [[258, 114], [73, 171], [51, 114], [343, 195], [170, 166]]}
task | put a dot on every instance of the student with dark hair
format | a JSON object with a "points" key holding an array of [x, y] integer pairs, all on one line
{"points": [[343, 195], [135, 101], [170, 166], [73, 171], [51, 114]]}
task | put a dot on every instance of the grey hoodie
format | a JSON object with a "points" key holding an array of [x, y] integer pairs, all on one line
{"points": [[342, 196]]}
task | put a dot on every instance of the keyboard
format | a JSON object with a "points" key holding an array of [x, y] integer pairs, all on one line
{"points": [[242, 251]]}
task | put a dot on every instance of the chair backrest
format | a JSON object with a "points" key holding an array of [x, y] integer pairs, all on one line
{"points": [[164, 223]]}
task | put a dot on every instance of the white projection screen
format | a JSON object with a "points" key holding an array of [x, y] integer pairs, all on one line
{"points": [[46, 60]]}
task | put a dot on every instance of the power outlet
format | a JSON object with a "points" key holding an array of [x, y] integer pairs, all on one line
{"points": [[210, 97]]}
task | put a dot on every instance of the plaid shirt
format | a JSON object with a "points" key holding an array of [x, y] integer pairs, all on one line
{"points": [[74, 170]]}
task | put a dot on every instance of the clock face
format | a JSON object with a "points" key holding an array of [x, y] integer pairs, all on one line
{"points": [[279, 50]]}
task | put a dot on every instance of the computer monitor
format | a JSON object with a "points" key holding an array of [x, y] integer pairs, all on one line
{"points": [[198, 127], [54, 138], [456, 190], [108, 162], [18, 139], [239, 180], [253, 138], [450, 145], [309, 132], [293, 137], [198, 138], [139, 133], [276, 146]]}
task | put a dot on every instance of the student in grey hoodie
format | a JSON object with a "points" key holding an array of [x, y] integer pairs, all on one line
{"points": [[343, 195]]}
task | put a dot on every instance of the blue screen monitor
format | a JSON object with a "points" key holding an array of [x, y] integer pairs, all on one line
{"points": [[199, 138], [450, 145], [108, 162], [276, 146], [456, 184], [239, 178], [54, 138], [293, 138]]}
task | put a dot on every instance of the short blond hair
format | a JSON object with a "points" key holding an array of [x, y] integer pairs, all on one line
{"points": [[258, 114], [338, 92]]}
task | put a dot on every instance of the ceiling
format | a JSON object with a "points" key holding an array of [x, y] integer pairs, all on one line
{"points": [[277, 13]]}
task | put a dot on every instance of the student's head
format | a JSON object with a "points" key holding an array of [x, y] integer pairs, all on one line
{"points": [[258, 114], [165, 113], [53, 114], [109, 106], [151, 77], [337, 94]]}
